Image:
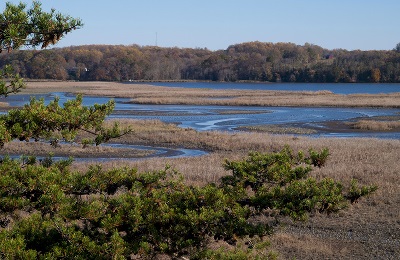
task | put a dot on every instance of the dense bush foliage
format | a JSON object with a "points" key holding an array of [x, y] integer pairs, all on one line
{"points": [[256, 61], [49, 211]]}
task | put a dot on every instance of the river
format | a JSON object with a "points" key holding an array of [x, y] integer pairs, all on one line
{"points": [[229, 118]]}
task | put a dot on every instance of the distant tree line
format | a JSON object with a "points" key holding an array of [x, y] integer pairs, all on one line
{"points": [[251, 61]]}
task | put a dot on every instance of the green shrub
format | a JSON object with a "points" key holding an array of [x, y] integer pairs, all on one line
{"points": [[318, 159], [357, 192], [101, 214]]}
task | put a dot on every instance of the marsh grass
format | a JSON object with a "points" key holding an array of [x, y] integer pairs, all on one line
{"points": [[375, 125], [290, 245], [277, 129], [148, 94], [261, 98]]}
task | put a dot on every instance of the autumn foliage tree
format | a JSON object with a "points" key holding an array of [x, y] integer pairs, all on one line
{"points": [[250, 61]]}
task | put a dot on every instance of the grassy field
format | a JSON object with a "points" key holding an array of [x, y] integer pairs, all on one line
{"points": [[369, 229]]}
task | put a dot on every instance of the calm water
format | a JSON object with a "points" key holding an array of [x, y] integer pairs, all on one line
{"points": [[339, 88], [228, 118]]}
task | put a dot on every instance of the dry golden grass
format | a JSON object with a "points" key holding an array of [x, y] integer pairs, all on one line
{"points": [[375, 125], [276, 129], [147, 94]]}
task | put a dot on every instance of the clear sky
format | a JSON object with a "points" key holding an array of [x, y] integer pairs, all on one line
{"points": [[216, 24]]}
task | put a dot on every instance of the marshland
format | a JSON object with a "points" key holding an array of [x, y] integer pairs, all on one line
{"points": [[367, 229], [259, 150]]}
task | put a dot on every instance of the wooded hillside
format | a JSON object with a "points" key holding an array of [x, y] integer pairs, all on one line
{"points": [[254, 61]]}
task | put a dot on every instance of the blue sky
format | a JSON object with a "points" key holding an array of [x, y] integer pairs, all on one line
{"points": [[216, 24]]}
